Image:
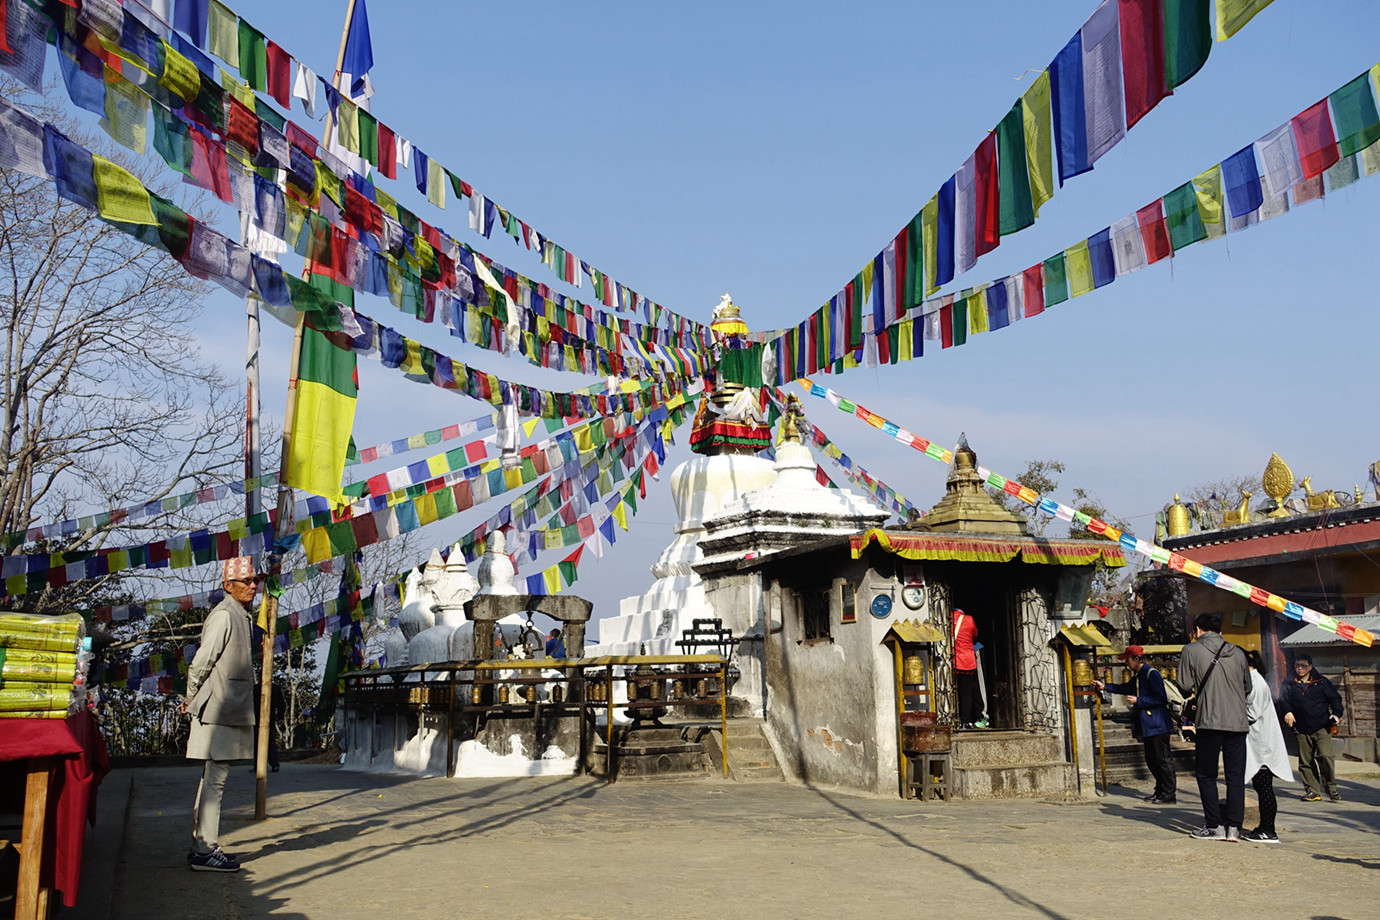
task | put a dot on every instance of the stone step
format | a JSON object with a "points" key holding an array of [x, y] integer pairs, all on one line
{"points": [[1027, 780], [1004, 748]]}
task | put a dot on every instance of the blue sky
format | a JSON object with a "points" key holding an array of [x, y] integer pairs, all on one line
{"points": [[771, 149]]}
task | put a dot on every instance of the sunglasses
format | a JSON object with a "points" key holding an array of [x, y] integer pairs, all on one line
{"points": [[245, 581]]}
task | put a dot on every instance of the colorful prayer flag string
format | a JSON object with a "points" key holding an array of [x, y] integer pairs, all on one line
{"points": [[1157, 554]]}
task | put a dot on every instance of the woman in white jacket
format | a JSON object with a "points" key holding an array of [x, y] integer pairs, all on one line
{"points": [[1266, 757]]}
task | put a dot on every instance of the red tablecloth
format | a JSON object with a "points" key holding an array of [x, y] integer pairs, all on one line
{"points": [[80, 750]]}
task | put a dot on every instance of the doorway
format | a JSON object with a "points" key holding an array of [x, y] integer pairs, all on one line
{"points": [[984, 592]]}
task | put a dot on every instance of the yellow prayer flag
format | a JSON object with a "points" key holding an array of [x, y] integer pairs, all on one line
{"points": [[347, 125], [977, 311], [436, 184], [552, 577], [1039, 135], [1207, 187], [905, 341], [387, 202], [238, 529], [120, 196], [512, 478], [1232, 15], [118, 560], [867, 281], [223, 33], [929, 236], [1193, 569], [412, 359], [1079, 264], [239, 90], [530, 426], [620, 514], [179, 75], [426, 509], [437, 465], [416, 441]]}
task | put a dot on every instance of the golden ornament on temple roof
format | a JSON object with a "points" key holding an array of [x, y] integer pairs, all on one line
{"points": [[1239, 515], [1176, 521], [1279, 482]]}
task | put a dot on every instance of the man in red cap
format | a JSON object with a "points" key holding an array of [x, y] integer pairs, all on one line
{"points": [[220, 699], [1150, 720]]}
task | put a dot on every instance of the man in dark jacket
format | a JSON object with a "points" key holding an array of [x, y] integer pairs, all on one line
{"points": [[1222, 690], [1312, 706], [1150, 720]]}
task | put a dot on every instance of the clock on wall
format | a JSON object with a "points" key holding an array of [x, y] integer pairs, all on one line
{"points": [[881, 606], [913, 596]]}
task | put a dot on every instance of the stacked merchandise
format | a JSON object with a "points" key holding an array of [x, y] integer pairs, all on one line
{"points": [[43, 666]]}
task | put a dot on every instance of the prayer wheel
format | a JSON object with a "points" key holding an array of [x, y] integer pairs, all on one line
{"points": [[1177, 520], [915, 670], [1082, 673]]}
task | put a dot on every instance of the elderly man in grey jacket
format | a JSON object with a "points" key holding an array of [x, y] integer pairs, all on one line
{"points": [[1219, 674], [220, 699]]}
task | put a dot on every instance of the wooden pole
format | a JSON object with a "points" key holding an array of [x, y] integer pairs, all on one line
{"points": [[269, 606]]}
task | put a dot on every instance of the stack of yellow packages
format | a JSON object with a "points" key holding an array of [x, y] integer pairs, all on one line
{"points": [[43, 666]]}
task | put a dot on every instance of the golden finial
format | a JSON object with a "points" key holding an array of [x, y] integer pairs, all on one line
{"points": [[790, 427], [1176, 521], [1278, 482]]}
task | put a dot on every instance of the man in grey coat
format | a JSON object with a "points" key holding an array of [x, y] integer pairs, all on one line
{"points": [[1220, 730], [220, 699]]}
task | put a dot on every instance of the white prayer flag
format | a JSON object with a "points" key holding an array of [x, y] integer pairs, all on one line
{"points": [[1102, 86], [1128, 246], [965, 216], [1278, 154]]}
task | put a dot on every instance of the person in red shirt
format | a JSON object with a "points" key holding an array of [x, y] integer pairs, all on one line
{"points": [[965, 671]]}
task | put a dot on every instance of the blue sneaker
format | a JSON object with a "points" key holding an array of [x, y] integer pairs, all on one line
{"points": [[214, 861]]}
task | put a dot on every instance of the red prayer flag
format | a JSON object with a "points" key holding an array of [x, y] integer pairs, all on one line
{"points": [[474, 451], [4, 29], [1142, 56], [1033, 283], [279, 75], [847, 316], [1317, 143], [388, 152], [946, 326], [464, 497], [242, 126], [905, 298], [1153, 232], [986, 229]]}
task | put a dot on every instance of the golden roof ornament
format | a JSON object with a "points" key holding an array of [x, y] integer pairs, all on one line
{"points": [[1278, 482], [1318, 501], [1176, 521], [790, 421], [1239, 515]]}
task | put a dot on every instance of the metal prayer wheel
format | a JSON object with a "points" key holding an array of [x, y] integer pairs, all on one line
{"points": [[503, 694], [914, 670], [557, 693], [529, 692], [1082, 673], [476, 694]]}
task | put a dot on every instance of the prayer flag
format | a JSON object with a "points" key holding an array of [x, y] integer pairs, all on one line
{"points": [[944, 235], [987, 200], [1181, 217], [359, 51], [1035, 116], [929, 240], [223, 34], [190, 17], [324, 396], [1100, 255], [998, 313], [965, 216], [1142, 57], [1242, 181], [1105, 116], [1232, 15], [1080, 271], [1207, 187], [1128, 246], [1034, 290], [253, 57], [1070, 125], [1279, 156], [1017, 209], [1317, 145], [1187, 39], [1358, 124], [1056, 280], [279, 75], [120, 196]]}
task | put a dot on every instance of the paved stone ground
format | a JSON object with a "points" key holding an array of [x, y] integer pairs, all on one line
{"points": [[344, 845]]}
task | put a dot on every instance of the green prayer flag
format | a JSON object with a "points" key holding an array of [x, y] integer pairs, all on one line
{"points": [[1353, 110], [223, 33], [1187, 39], [1017, 209], [567, 568], [960, 321], [856, 307], [1182, 218], [1056, 280], [253, 57], [171, 140], [369, 137]]}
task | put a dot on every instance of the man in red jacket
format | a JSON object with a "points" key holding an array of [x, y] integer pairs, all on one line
{"points": [[965, 672]]}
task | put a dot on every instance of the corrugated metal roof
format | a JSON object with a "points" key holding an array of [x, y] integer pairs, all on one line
{"points": [[1313, 635], [913, 631]]}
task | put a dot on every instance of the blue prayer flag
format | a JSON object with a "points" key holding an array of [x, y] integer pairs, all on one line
{"points": [[944, 270], [191, 17], [71, 167], [1070, 117], [1241, 178], [359, 50], [998, 311], [1100, 253]]}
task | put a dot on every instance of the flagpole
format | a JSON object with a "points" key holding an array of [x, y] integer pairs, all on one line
{"points": [[268, 611]]}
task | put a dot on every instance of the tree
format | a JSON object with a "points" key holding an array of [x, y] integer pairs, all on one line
{"points": [[105, 398], [1208, 500]]}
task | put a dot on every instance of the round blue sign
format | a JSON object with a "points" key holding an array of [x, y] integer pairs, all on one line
{"points": [[881, 606]]}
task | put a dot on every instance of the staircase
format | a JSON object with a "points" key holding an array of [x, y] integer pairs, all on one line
{"points": [[1008, 765], [1126, 755], [750, 757]]}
